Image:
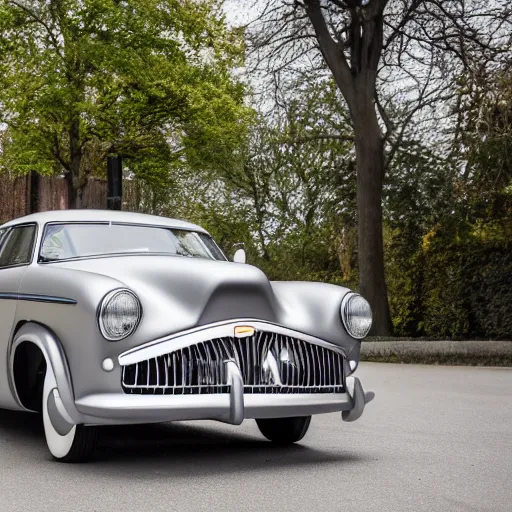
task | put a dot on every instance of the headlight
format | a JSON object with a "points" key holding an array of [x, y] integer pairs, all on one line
{"points": [[119, 315], [356, 315]]}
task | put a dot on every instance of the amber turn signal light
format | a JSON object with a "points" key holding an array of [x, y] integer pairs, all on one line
{"points": [[243, 331]]}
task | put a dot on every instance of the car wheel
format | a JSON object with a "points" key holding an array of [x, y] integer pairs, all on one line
{"points": [[284, 430], [78, 443]]}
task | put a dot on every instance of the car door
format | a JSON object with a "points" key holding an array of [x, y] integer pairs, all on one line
{"points": [[16, 252]]}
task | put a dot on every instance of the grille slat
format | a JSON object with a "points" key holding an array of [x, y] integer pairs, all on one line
{"points": [[301, 357], [303, 367], [174, 370]]}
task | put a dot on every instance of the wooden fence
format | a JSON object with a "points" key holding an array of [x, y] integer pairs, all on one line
{"points": [[51, 194]]}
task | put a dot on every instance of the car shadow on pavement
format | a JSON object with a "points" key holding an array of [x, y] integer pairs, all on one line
{"points": [[174, 449], [21, 424]]}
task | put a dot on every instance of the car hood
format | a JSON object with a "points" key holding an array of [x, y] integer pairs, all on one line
{"points": [[179, 293], [190, 285]]}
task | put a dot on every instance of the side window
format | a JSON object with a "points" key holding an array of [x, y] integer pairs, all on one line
{"points": [[17, 247]]}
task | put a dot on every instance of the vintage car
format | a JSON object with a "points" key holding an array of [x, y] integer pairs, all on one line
{"points": [[119, 318]]}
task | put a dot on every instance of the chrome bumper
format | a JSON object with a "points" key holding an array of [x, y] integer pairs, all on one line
{"points": [[233, 408], [121, 408]]}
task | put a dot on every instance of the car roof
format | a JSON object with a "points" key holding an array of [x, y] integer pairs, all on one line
{"points": [[103, 216]]}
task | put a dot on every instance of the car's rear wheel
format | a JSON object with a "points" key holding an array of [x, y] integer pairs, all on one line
{"points": [[78, 443], [284, 431]]}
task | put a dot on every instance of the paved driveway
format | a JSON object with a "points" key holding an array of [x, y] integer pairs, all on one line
{"points": [[435, 439]]}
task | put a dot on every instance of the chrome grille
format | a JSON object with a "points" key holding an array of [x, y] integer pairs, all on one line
{"points": [[269, 363]]}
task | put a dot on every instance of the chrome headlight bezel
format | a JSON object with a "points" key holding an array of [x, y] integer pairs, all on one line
{"points": [[345, 313], [106, 302]]}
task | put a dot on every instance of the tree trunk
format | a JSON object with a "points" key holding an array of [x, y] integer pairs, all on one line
{"points": [[370, 175], [357, 84]]}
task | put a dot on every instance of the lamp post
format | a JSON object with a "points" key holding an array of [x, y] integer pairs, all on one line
{"points": [[115, 182]]}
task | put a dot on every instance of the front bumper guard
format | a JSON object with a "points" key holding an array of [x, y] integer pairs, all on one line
{"points": [[357, 398], [232, 408]]}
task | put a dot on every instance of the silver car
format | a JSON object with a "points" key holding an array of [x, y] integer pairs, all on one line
{"points": [[121, 318]]}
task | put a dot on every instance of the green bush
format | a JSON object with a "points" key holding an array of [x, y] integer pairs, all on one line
{"points": [[444, 297], [404, 274], [452, 287], [489, 271]]}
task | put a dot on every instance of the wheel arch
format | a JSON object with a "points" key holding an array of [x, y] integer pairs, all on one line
{"points": [[29, 334]]}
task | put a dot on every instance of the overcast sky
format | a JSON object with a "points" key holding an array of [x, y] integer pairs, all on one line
{"points": [[239, 12]]}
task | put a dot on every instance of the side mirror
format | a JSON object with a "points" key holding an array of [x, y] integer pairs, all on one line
{"points": [[240, 256]]}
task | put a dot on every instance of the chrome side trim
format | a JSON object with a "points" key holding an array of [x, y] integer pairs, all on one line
{"points": [[37, 298], [8, 296], [184, 339]]}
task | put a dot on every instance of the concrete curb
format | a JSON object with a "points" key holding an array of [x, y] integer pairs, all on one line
{"points": [[470, 353]]}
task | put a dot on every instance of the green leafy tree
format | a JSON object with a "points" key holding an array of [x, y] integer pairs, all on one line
{"points": [[83, 79]]}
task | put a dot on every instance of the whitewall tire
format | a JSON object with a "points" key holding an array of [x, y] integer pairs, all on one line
{"points": [[74, 443]]}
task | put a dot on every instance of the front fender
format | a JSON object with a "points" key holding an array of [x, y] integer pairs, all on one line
{"points": [[314, 308], [54, 355]]}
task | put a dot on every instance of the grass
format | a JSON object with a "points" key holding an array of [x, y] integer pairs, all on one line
{"points": [[464, 353]]}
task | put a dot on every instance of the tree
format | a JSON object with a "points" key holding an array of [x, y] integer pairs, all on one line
{"points": [[449, 221], [484, 143], [293, 196], [364, 44], [83, 79]]}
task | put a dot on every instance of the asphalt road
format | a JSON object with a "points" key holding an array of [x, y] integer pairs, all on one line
{"points": [[434, 439]]}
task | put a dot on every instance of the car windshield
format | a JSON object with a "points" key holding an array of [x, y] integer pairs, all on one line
{"points": [[67, 241]]}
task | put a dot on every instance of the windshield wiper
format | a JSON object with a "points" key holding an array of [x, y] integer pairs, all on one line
{"points": [[44, 259]]}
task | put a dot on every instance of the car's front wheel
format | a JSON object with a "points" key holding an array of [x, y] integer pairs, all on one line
{"points": [[75, 445], [284, 430]]}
